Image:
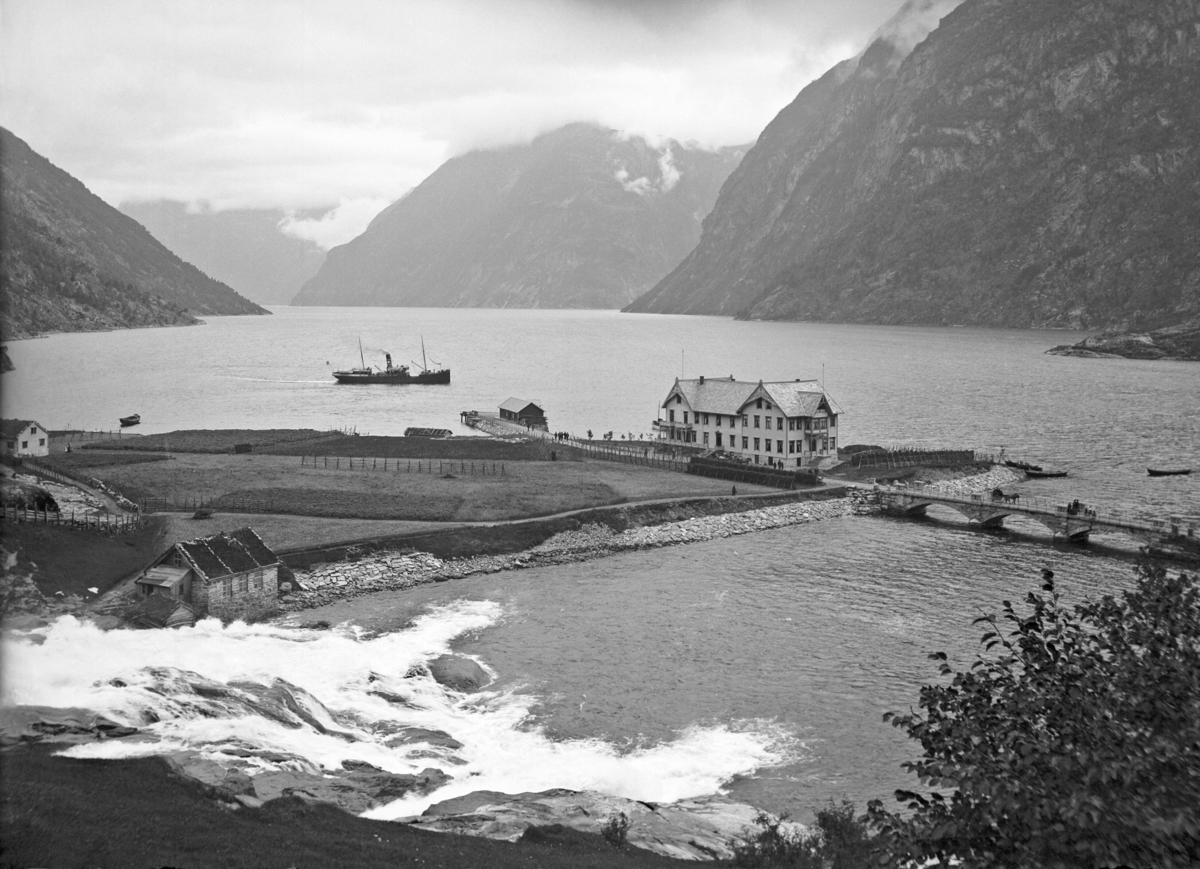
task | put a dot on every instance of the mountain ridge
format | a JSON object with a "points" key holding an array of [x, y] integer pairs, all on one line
{"points": [[1026, 165], [580, 217], [70, 262]]}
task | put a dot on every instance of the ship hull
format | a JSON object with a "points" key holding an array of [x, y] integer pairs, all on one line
{"points": [[394, 378]]}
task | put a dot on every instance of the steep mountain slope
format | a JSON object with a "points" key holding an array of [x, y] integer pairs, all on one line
{"points": [[243, 248], [1027, 164], [72, 263], [580, 217]]}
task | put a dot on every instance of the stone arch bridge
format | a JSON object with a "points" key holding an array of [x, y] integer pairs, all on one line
{"points": [[1174, 533]]}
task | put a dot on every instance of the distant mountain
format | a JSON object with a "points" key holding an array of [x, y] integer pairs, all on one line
{"points": [[1027, 164], [72, 263], [244, 248], [579, 218]]}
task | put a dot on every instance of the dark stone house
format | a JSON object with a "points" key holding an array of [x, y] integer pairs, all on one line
{"points": [[230, 574]]}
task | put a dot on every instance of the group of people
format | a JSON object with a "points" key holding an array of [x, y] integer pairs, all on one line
{"points": [[1075, 508]]}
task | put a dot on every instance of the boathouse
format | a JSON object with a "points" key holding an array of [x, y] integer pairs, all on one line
{"points": [[789, 423], [24, 437], [527, 412], [228, 574]]}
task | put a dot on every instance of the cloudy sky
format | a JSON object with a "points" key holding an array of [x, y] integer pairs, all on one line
{"points": [[315, 103]]}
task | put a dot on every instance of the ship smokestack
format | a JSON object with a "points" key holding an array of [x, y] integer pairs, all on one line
{"points": [[388, 356]]}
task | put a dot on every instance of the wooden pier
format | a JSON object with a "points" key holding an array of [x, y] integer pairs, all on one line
{"points": [[1076, 525]]}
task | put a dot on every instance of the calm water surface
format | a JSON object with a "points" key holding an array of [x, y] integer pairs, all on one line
{"points": [[807, 633]]}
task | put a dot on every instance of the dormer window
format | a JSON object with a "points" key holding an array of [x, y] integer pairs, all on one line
{"points": [[759, 405], [679, 399]]}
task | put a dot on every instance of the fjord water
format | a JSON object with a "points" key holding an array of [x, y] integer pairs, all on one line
{"points": [[761, 663]]}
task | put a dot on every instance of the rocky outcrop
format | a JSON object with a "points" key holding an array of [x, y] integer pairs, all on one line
{"points": [[356, 786], [1181, 342], [581, 217], [49, 724], [72, 263], [458, 673], [1027, 164], [696, 829]]}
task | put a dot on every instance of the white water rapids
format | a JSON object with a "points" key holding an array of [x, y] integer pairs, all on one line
{"points": [[314, 699]]}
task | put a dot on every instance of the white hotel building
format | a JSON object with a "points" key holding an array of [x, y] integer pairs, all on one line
{"points": [[793, 423]]}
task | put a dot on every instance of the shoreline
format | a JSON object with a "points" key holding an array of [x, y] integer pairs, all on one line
{"points": [[397, 569]]}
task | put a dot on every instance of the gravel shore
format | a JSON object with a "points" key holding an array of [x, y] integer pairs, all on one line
{"points": [[388, 571], [396, 570]]}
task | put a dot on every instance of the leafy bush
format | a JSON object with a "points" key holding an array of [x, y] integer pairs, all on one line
{"points": [[616, 829], [1076, 744], [840, 841], [771, 845]]}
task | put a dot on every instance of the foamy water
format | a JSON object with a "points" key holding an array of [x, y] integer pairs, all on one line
{"points": [[214, 690]]}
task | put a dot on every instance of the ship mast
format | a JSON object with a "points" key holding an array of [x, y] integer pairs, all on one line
{"points": [[360, 353], [424, 366]]}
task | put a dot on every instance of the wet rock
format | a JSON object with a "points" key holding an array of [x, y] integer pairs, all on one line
{"points": [[697, 829], [458, 673], [50, 724], [422, 736], [356, 790]]}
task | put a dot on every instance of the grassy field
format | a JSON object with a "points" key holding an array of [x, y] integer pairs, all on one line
{"points": [[71, 560], [309, 442], [278, 484], [282, 533], [208, 440], [79, 461]]}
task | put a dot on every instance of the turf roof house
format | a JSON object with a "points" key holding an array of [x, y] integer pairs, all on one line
{"points": [[792, 423], [227, 574], [24, 437]]}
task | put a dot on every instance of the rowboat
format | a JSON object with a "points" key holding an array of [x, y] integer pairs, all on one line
{"points": [[1022, 466], [1037, 475], [1173, 472], [133, 419]]}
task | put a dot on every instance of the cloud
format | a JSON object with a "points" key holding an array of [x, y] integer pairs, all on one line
{"points": [[309, 103], [915, 20], [668, 177], [337, 226]]}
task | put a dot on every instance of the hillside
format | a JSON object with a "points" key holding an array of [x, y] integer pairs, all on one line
{"points": [[72, 263], [1027, 164], [579, 218], [243, 248]]}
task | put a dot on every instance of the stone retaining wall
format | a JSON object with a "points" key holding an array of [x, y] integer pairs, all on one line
{"points": [[396, 570]]}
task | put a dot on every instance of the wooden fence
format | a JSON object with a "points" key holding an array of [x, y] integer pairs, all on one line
{"points": [[405, 466], [738, 472], [102, 523], [904, 458], [645, 456]]}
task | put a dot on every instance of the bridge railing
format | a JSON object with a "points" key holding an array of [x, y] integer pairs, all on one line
{"points": [[1033, 504]]}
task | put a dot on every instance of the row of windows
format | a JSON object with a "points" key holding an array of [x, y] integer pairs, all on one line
{"points": [[243, 582], [12, 445], [821, 423], [765, 443]]}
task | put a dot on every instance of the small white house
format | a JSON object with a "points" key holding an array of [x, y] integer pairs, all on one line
{"points": [[24, 437], [790, 423]]}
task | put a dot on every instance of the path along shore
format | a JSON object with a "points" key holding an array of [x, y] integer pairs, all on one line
{"points": [[389, 571]]}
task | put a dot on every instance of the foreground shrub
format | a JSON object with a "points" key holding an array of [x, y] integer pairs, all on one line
{"points": [[1076, 744], [840, 841]]}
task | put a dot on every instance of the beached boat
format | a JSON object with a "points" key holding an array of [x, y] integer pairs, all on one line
{"points": [[396, 374], [1043, 474], [132, 419], [1173, 472], [1022, 466]]}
